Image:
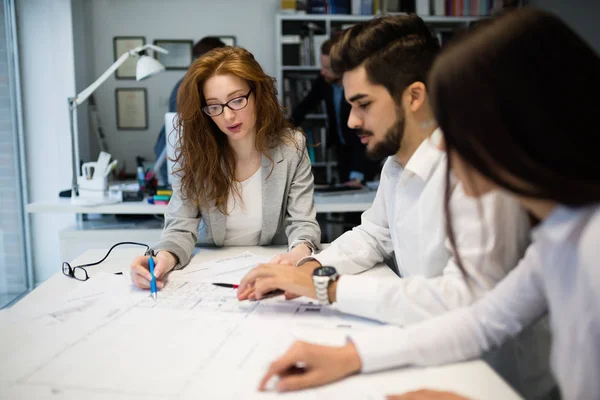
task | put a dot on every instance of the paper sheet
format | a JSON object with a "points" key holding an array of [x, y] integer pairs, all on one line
{"points": [[118, 288], [198, 296], [28, 344], [109, 340], [224, 270]]}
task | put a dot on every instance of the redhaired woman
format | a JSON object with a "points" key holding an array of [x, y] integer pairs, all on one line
{"points": [[243, 176]]}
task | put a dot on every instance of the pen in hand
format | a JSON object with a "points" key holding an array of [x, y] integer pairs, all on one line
{"points": [[153, 280], [267, 295]]}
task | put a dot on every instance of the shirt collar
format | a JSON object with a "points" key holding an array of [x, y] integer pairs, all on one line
{"points": [[427, 156], [559, 224]]}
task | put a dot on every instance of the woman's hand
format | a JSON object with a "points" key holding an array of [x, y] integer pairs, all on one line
{"points": [[164, 262], [426, 395], [267, 277], [307, 365], [293, 256]]}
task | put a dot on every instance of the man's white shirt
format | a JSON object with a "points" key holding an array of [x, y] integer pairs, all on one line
{"points": [[407, 221]]}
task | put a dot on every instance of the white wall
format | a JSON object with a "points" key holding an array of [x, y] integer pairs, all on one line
{"points": [[251, 21], [47, 79]]}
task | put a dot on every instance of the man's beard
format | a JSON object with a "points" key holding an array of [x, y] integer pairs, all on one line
{"points": [[390, 143]]}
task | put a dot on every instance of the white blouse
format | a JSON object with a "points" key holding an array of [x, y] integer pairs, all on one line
{"points": [[560, 273], [244, 222]]}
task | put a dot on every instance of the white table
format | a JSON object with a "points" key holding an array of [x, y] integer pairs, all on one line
{"points": [[338, 203], [83, 235], [474, 379], [120, 259]]}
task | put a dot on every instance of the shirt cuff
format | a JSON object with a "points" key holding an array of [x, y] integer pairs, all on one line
{"points": [[382, 348], [328, 258], [357, 295]]}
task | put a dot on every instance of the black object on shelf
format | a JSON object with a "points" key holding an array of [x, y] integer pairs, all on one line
{"points": [[133, 196]]}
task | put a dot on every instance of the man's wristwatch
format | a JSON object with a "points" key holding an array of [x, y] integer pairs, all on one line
{"points": [[322, 278]]}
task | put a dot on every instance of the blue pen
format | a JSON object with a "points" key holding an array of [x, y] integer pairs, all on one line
{"points": [[153, 280]]}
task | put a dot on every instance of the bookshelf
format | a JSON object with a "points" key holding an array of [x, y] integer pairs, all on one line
{"points": [[297, 52]]}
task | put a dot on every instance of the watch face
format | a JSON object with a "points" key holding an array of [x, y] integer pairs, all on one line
{"points": [[324, 271]]}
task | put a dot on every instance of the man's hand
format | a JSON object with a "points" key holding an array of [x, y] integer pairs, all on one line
{"points": [[308, 268], [426, 395], [293, 256], [267, 277], [140, 271], [307, 365]]}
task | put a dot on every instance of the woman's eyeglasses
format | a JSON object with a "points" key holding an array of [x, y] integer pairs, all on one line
{"points": [[214, 110], [80, 273]]}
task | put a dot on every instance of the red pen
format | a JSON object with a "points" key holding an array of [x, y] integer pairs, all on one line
{"points": [[272, 293], [228, 285]]}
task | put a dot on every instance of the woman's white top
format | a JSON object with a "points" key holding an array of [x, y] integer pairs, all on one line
{"points": [[244, 222], [559, 274]]}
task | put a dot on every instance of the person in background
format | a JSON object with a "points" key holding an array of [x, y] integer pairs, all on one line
{"points": [[353, 165], [202, 46], [240, 168], [521, 77], [384, 64]]}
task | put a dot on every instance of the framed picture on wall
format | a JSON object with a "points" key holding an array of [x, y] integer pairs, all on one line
{"points": [[228, 40], [180, 53], [122, 44], [132, 108]]}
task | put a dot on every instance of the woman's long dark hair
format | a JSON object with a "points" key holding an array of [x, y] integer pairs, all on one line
{"points": [[519, 98]]}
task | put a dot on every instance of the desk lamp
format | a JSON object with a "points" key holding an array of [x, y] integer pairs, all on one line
{"points": [[146, 67]]}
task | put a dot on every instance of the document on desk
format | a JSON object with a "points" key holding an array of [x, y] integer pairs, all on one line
{"points": [[197, 338], [224, 270], [100, 286], [191, 355], [27, 344]]}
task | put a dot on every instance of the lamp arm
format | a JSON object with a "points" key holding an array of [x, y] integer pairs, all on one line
{"points": [[85, 93], [155, 48]]}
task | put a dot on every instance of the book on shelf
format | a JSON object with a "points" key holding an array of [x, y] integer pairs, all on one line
{"points": [[423, 7], [288, 6], [302, 50], [310, 145], [317, 7], [343, 7], [448, 8], [296, 87], [366, 7], [334, 7], [308, 51], [314, 143], [462, 8]]}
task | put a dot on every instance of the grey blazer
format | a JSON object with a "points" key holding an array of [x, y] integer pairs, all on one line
{"points": [[289, 213]]}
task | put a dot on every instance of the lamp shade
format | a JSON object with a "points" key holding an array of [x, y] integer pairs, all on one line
{"points": [[146, 67]]}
